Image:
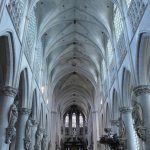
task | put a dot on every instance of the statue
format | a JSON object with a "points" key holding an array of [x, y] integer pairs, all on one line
{"points": [[28, 132], [38, 138], [13, 116], [44, 141], [137, 115], [74, 132], [122, 128]]}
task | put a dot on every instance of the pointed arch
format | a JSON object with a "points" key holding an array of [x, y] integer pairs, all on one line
{"points": [[102, 121], [34, 105], [126, 88], [143, 59], [107, 123], [41, 121], [7, 59], [115, 105], [23, 89], [46, 127]]}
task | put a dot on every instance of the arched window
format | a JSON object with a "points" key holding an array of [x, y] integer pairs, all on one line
{"points": [[128, 2], [110, 52], [118, 24], [73, 120], [80, 120], [67, 121]]}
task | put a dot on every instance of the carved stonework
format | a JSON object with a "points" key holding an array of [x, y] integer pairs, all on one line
{"points": [[8, 91], [115, 122], [44, 141], [38, 62], [39, 133], [138, 120], [24, 111], [137, 114], [28, 134], [27, 144], [135, 13], [122, 129], [13, 116], [16, 9], [34, 122], [121, 48], [30, 38], [122, 144], [142, 89], [10, 134], [141, 132]]}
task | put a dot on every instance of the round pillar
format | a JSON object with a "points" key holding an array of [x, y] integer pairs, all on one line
{"points": [[129, 132], [94, 114], [70, 124], [7, 95], [53, 129], [22, 119], [142, 93], [34, 129]]}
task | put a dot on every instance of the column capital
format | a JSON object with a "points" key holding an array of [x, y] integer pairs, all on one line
{"points": [[24, 111], [125, 109], [141, 89], [8, 91]]}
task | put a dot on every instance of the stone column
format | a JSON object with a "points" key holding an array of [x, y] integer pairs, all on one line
{"points": [[53, 129], [127, 128], [84, 126], [70, 124], [94, 113], [77, 124], [7, 95], [142, 93], [22, 119], [34, 129], [64, 128]]}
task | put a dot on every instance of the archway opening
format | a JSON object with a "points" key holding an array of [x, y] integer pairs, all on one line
{"points": [[75, 129]]}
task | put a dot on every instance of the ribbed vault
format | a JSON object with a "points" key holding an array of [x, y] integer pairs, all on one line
{"points": [[74, 89], [74, 35]]}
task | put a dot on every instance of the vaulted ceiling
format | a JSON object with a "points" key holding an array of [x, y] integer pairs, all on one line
{"points": [[74, 34]]}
